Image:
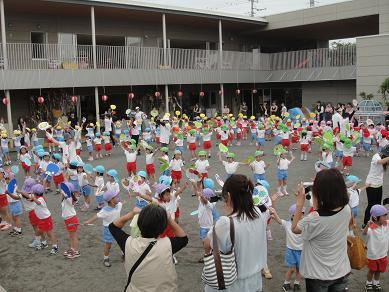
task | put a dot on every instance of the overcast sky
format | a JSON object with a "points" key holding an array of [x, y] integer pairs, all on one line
{"points": [[243, 6]]}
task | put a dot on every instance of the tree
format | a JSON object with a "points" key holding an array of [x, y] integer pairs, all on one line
{"points": [[384, 88]]}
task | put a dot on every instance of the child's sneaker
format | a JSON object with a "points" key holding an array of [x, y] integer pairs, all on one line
{"points": [[377, 287], [73, 254], [67, 252], [296, 287], [286, 287], [44, 244], [369, 287], [34, 243], [38, 246], [106, 263], [15, 233], [54, 250]]}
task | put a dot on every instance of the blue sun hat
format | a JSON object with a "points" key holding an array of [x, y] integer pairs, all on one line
{"points": [[74, 163], [41, 154], [264, 183], [352, 179], [166, 180], [97, 134], [46, 153], [80, 164], [208, 184], [142, 173], [57, 156], [99, 169], [114, 174]]}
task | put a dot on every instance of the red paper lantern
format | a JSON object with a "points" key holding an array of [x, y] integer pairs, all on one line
{"points": [[104, 97], [201, 93], [131, 95], [237, 91], [74, 98], [220, 92], [180, 93], [41, 99], [254, 91], [5, 101], [157, 94]]}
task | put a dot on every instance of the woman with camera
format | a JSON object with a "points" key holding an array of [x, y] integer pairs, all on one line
{"points": [[324, 261], [249, 225]]}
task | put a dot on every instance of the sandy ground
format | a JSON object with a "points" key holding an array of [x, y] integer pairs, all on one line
{"points": [[24, 269]]}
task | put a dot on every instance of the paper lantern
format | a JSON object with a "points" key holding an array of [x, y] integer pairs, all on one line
{"points": [[131, 95], [180, 93], [5, 101], [220, 92], [201, 93], [254, 91], [74, 98], [41, 99], [157, 94], [104, 97], [237, 91]]}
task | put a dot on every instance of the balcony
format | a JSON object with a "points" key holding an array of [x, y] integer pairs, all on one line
{"points": [[55, 61]]}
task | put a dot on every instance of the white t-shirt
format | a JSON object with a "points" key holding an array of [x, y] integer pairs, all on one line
{"points": [[165, 133], [28, 205], [143, 189], [201, 165], [375, 176], [109, 214], [207, 137], [179, 142], [205, 214], [82, 179], [293, 241], [150, 158], [41, 210], [283, 164], [108, 124], [348, 152], [261, 133], [112, 186], [99, 182], [68, 151], [231, 167], [190, 139], [377, 241], [97, 141], [68, 210], [130, 156], [176, 164], [327, 157], [354, 197], [258, 166]]}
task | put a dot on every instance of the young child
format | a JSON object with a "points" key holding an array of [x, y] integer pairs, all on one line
{"points": [[202, 166], [175, 166], [98, 147], [71, 222], [339, 148], [282, 172], [258, 166], [45, 223], [304, 145], [4, 148], [326, 155], [231, 166], [107, 143], [34, 137], [180, 144], [366, 141], [89, 147], [22, 158], [377, 231], [353, 192], [17, 141], [85, 188], [90, 131], [150, 169], [46, 179], [130, 152], [205, 216], [142, 191], [207, 145], [99, 185], [108, 214], [191, 141], [260, 136], [294, 246], [16, 211], [165, 157], [58, 178], [348, 153]]}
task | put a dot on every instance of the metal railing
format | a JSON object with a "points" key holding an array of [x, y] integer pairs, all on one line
{"points": [[22, 56]]}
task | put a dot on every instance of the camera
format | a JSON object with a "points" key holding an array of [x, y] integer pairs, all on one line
{"points": [[308, 190], [214, 199]]}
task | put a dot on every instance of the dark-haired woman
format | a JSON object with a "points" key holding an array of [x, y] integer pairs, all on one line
{"points": [[375, 181], [156, 272], [324, 261], [250, 234]]}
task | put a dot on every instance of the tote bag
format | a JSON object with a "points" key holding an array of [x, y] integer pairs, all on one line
{"points": [[356, 251]]}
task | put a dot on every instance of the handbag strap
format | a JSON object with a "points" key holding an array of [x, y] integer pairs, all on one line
{"points": [[232, 232], [218, 262], [138, 262]]}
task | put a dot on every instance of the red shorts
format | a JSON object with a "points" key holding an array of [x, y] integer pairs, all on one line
{"points": [[58, 179], [33, 219], [230, 137], [207, 145], [167, 233], [316, 134], [25, 167], [131, 167], [347, 161], [157, 140], [78, 152], [45, 225], [295, 139], [176, 175], [377, 265], [285, 142], [238, 136], [98, 147], [177, 213], [204, 175], [150, 169], [3, 201], [218, 137], [108, 147], [174, 138], [304, 147], [225, 142], [192, 146], [49, 140], [71, 224]]}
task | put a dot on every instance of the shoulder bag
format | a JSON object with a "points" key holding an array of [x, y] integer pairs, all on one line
{"points": [[219, 270], [356, 251]]}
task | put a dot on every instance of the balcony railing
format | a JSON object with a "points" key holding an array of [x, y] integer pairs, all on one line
{"points": [[55, 56]]}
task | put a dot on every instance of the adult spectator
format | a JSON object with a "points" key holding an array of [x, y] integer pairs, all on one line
{"points": [[164, 136], [73, 120], [243, 108], [349, 114], [375, 180], [196, 110], [250, 234], [156, 272], [139, 115], [22, 127], [324, 261], [283, 109], [319, 110], [328, 111], [274, 108], [337, 119], [226, 110]]}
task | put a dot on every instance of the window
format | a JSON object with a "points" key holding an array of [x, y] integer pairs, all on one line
{"points": [[38, 39]]}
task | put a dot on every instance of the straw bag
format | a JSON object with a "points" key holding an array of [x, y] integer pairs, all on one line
{"points": [[356, 251], [219, 270]]}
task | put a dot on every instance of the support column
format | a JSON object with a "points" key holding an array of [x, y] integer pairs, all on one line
{"points": [[164, 41], [221, 66], [92, 12], [5, 61]]}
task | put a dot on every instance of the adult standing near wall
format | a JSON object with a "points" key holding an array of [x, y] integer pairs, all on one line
{"points": [[226, 110], [250, 234], [22, 128], [324, 260], [328, 111], [319, 110], [375, 180], [274, 108], [156, 271], [196, 110], [337, 119], [165, 133], [243, 108]]}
